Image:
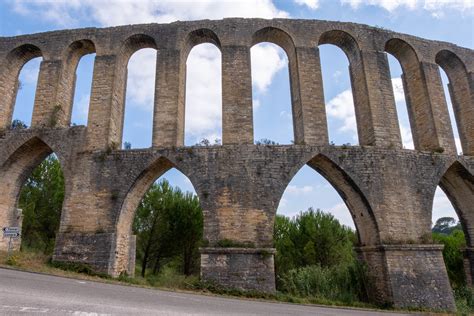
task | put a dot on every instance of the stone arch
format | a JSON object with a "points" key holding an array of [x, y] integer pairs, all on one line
{"points": [[13, 63], [344, 41], [355, 200], [15, 171], [130, 46], [127, 211], [199, 36], [462, 97], [360, 93], [417, 99], [193, 39], [284, 40], [70, 60], [457, 183], [134, 43]]}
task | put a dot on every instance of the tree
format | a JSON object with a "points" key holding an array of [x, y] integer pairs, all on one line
{"points": [[127, 145], [453, 243], [445, 225], [41, 200], [311, 238], [265, 141], [18, 124], [168, 225]]}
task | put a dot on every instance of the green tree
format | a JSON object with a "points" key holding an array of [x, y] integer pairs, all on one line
{"points": [[41, 200], [445, 225], [18, 124], [452, 255], [168, 225]]}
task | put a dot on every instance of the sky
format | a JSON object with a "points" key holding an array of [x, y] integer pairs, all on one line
{"points": [[444, 20]]}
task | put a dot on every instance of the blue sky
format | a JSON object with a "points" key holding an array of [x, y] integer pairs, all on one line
{"points": [[451, 21]]}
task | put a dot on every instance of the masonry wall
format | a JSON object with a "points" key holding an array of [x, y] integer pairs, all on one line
{"points": [[388, 190]]}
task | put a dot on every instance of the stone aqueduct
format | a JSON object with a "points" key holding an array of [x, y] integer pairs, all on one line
{"points": [[388, 190]]}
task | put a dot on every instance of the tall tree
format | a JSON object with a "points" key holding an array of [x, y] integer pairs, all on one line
{"points": [[41, 200]]}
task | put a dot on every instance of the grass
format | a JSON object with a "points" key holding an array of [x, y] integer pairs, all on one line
{"points": [[169, 279]]}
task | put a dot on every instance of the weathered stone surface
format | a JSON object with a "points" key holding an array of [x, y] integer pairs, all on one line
{"points": [[388, 190]]}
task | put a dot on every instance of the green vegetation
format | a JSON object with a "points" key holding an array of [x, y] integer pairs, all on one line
{"points": [[315, 258], [41, 200], [168, 225], [449, 233]]}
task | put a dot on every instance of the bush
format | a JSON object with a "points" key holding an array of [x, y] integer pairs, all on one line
{"points": [[338, 283], [464, 297]]}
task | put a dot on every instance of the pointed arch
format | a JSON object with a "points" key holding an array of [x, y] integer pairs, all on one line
{"points": [[350, 193], [15, 171], [457, 183], [124, 220]]}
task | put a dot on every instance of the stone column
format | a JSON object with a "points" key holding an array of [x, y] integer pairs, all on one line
{"points": [[377, 123], [402, 270], [8, 90], [14, 220], [309, 109], [443, 132], [47, 113], [468, 255], [169, 111], [105, 120], [237, 112]]}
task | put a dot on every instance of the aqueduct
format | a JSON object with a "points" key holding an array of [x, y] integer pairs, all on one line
{"points": [[388, 190]]}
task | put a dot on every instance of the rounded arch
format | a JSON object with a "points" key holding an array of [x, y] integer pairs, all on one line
{"points": [[134, 43], [76, 50], [461, 95], [20, 55], [351, 194], [344, 41], [14, 62], [404, 52], [278, 37], [199, 36], [420, 113], [457, 183], [129, 206], [287, 91], [71, 58]]}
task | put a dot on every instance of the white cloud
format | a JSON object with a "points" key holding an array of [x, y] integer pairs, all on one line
{"points": [[256, 104], [312, 4], [267, 61], [29, 72], [435, 7], [204, 93], [141, 79], [337, 75], [81, 110], [341, 213], [442, 207], [112, 12], [341, 107], [299, 190]]}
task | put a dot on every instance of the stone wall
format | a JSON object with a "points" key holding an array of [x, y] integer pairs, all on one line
{"points": [[388, 190]]}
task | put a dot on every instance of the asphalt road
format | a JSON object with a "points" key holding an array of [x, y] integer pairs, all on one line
{"points": [[35, 294]]}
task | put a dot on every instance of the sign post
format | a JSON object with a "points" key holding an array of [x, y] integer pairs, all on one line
{"points": [[11, 233]]}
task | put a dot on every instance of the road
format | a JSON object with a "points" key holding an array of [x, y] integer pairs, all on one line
{"points": [[36, 294]]}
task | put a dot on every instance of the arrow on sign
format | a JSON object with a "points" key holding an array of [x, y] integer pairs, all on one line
{"points": [[10, 234], [11, 229]]}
